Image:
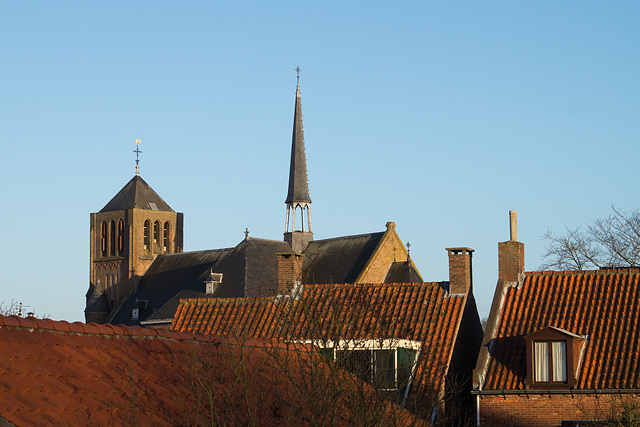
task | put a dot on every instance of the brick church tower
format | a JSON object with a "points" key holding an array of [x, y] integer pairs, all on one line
{"points": [[126, 235]]}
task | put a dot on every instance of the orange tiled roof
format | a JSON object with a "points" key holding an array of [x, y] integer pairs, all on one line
{"points": [[60, 373], [604, 305], [420, 312]]}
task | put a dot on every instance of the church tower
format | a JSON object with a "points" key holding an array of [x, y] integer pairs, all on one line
{"points": [[298, 199], [126, 235]]}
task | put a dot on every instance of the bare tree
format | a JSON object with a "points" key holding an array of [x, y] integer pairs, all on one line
{"points": [[613, 241]]}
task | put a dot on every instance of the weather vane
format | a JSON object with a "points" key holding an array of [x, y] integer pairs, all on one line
{"points": [[298, 74], [137, 151]]}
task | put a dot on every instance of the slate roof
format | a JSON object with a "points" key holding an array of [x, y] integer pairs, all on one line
{"points": [[137, 194], [421, 312], [338, 260], [249, 269], [603, 304], [298, 183], [60, 373]]}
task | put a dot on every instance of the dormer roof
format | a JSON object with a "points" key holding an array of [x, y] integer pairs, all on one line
{"points": [[137, 194]]}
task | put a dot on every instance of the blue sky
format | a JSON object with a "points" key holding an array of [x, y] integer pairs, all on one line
{"points": [[439, 116]]}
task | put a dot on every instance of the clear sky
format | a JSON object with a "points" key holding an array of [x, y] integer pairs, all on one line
{"points": [[440, 116]]}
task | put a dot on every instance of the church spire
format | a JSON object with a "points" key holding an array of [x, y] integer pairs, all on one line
{"points": [[298, 195]]}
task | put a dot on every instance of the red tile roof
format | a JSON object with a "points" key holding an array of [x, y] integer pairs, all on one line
{"points": [[60, 373], [420, 312], [604, 305]]}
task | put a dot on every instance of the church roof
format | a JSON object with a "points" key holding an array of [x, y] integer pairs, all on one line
{"points": [[338, 260], [298, 184], [250, 269], [137, 194]]}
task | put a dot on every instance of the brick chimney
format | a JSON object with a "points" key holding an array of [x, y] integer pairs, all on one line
{"points": [[511, 253], [460, 270], [289, 272]]}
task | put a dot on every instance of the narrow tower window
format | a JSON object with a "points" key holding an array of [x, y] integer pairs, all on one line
{"points": [[103, 239], [112, 238], [147, 237], [156, 237], [120, 237], [165, 237]]}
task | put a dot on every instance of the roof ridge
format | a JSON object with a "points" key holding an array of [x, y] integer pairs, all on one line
{"points": [[63, 326], [348, 237], [602, 270]]}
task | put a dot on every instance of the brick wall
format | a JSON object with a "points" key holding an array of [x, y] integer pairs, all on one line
{"points": [[510, 260], [117, 271], [389, 250], [548, 410], [289, 272]]}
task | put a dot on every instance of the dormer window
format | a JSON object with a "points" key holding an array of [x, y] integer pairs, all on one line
{"points": [[553, 356]]}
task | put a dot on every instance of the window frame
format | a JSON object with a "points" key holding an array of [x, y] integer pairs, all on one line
{"points": [[402, 385], [572, 349]]}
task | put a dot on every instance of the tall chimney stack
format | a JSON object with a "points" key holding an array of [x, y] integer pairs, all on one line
{"points": [[460, 270], [511, 253]]}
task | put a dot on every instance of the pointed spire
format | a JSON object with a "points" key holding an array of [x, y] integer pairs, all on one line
{"points": [[298, 195], [298, 183]]}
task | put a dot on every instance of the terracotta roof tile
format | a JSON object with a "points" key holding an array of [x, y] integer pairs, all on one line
{"points": [[60, 373], [421, 312], [603, 305]]}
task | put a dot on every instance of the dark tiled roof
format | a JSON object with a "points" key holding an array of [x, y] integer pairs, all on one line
{"points": [[402, 272], [338, 260], [249, 269], [137, 194], [60, 373], [604, 305], [419, 312]]}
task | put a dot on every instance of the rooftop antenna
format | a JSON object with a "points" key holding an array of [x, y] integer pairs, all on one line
{"points": [[137, 151], [298, 75]]}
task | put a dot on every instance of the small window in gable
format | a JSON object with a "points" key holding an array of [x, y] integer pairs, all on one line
{"points": [[553, 355]]}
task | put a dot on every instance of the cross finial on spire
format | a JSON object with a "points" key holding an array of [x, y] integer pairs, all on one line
{"points": [[246, 233], [137, 151], [298, 74]]}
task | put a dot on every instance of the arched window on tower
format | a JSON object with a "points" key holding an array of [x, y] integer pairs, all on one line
{"points": [[121, 237], [103, 239], [165, 237], [156, 237], [147, 237], [112, 238]]}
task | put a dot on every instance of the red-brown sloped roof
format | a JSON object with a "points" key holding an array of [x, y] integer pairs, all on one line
{"points": [[420, 312], [60, 373], [603, 305]]}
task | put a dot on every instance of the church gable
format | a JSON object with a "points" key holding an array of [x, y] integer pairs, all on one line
{"points": [[389, 251]]}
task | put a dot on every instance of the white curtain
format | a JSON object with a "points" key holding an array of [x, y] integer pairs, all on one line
{"points": [[559, 353], [541, 361]]}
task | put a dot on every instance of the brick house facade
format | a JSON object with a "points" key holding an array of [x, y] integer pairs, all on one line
{"points": [[559, 346]]}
